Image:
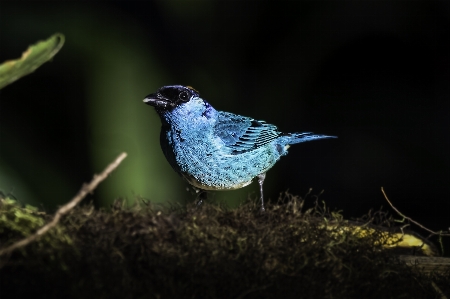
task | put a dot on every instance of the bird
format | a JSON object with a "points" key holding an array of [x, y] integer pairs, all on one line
{"points": [[217, 150]]}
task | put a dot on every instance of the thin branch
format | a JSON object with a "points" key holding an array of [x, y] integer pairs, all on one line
{"points": [[85, 189], [438, 290], [413, 221]]}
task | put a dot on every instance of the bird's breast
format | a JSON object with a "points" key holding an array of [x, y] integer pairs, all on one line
{"points": [[204, 160], [217, 187]]}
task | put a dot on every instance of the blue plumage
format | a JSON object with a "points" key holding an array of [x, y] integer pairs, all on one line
{"points": [[216, 150]]}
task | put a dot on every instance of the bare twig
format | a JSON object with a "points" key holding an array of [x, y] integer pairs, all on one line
{"points": [[85, 189], [438, 290], [442, 234]]}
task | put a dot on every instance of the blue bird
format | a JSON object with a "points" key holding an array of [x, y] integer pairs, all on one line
{"points": [[216, 150]]}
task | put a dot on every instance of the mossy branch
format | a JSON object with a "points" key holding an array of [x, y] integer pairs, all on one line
{"points": [[85, 189]]}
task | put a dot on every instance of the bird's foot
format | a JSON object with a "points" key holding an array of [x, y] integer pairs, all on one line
{"points": [[202, 195]]}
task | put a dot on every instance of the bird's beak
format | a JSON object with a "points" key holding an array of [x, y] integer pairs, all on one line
{"points": [[157, 101]]}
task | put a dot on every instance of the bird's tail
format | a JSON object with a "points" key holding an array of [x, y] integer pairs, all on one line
{"points": [[292, 138]]}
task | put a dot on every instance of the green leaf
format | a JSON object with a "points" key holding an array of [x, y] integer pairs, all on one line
{"points": [[31, 59]]}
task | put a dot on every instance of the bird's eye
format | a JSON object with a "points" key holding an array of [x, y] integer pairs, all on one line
{"points": [[183, 96]]}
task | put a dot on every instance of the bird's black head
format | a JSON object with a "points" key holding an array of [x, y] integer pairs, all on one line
{"points": [[169, 97]]}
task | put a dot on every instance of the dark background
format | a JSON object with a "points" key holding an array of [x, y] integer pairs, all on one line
{"points": [[376, 74]]}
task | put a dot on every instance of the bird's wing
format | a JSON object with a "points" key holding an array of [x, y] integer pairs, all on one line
{"points": [[241, 133]]}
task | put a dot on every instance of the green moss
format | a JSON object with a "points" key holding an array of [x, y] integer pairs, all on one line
{"points": [[18, 222]]}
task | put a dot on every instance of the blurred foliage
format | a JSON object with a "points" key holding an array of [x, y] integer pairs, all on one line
{"points": [[12, 70], [117, 80], [31, 59]]}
